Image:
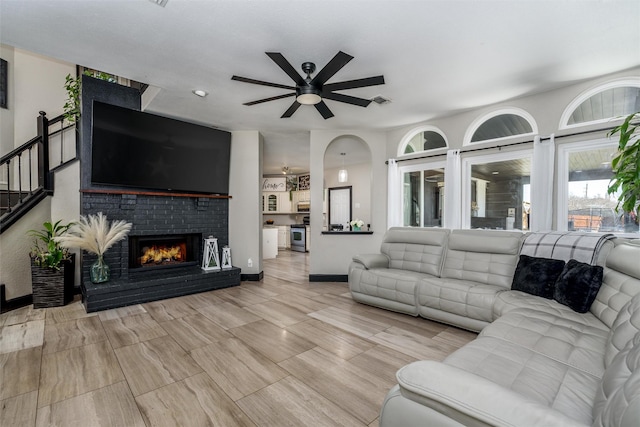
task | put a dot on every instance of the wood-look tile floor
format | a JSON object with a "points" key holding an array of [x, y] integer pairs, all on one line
{"points": [[279, 352]]}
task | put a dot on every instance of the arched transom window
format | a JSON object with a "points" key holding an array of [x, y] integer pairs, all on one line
{"points": [[603, 103], [422, 139], [500, 125]]}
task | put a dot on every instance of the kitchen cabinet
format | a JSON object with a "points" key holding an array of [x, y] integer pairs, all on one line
{"points": [[269, 242], [284, 238], [276, 202], [300, 196]]}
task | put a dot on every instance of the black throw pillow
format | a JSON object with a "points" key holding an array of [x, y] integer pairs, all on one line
{"points": [[537, 276], [578, 285]]}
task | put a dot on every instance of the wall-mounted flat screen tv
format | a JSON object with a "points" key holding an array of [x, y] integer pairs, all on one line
{"points": [[135, 149]]}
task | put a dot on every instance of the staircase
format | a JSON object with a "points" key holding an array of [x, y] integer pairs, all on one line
{"points": [[27, 172]]}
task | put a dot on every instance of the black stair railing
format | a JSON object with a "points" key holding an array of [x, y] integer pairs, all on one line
{"points": [[27, 171]]}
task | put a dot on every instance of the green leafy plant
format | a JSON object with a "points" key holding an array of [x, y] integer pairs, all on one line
{"points": [[626, 166], [71, 108], [46, 251]]}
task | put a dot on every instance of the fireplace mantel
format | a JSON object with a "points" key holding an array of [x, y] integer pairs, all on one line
{"points": [[153, 193]]}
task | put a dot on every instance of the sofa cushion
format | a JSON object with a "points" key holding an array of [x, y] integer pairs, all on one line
{"points": [[572, 342], [387, 284], [415, 249], [617, 401], [578, 285], [511, 300], [620, 282], [487, 257], [625, 327], [462, 297], [543, 379], [537, 276]]}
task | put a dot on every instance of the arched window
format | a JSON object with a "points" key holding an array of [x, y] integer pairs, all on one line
{"points": [[601, 104], [425, 138], [500, 125]]}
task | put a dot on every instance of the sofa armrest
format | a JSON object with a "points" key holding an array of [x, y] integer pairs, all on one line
{"points": [[437, 385], [372, 260]]}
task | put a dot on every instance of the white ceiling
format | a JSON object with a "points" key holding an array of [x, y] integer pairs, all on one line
{"points": [[438, 57]]}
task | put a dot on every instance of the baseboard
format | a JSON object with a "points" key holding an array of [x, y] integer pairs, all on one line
{"points": [[328, 277], [14, 303], [252, 277], [19, 302]]}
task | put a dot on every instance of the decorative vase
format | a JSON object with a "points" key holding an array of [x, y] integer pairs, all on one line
{"points": [[53, 288], [356, 228], [99, 271]]}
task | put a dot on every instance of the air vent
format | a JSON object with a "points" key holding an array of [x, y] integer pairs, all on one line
{"points": [[381, 100], [162, 3]]}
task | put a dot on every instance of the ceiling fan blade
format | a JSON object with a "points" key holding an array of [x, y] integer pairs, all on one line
{"points": [[324, 110], [260, 82], [352, 84], [286, 67], [337, 62], [291, 110], [361, 102], [273, 98]]}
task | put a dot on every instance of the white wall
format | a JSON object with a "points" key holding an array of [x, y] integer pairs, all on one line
{"points": [[36, 83], [331, 254], [245, 205], [38, 86], [15, 245]]}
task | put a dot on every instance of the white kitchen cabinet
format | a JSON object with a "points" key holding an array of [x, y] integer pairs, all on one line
{"points": [[269, 242], [300, 196], [276, 202], [283, 237]]}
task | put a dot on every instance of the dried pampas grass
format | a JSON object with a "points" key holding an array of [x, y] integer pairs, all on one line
{"points": [[94, 234]]}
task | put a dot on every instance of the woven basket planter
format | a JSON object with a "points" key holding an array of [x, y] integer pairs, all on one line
{"points": [[53, 288]]}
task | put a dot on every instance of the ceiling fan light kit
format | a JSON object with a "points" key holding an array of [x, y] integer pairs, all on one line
{"points": [[313, 91]]}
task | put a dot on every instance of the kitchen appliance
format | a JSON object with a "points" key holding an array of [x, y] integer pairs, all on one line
{"points": [[304, 206], [299, 237]]}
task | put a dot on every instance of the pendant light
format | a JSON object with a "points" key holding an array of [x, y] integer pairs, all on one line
{"points": [[343, 175]]}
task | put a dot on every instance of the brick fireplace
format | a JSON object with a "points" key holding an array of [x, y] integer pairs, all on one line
{"points": [[162, 256]]}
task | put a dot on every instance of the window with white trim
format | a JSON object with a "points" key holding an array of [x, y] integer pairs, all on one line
{"points": [[504, 124], [496, 191], [602, 104], [423, 194], [425, 138], [584, 173]]}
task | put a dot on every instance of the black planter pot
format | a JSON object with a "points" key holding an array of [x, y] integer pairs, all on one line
{"points": [[53, 288]]}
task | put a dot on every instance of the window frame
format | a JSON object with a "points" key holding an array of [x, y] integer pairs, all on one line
{"points": [[562, 181], [573, 105], [409, 135], [479, 121], [469, 161], [419, 167]]}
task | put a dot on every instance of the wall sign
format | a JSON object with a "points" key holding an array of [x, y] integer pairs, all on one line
{"points": [[304, 182], [274, 184], [4, 87]]}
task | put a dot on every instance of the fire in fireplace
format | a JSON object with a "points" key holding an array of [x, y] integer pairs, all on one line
{"points": [[164, 251]]}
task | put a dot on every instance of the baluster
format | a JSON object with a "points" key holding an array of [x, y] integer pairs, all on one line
{"points": [[19, 177], [30, 172], [9, 185]]}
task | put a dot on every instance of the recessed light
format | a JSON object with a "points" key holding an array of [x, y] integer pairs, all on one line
{"points": [[495, 173], [201, 93]]}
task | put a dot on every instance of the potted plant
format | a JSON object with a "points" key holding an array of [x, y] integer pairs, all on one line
{"points": [[626, 166], [52, 267], [95, 235]]}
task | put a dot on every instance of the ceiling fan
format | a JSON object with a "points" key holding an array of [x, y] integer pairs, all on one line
{"points": [[312, 91]]}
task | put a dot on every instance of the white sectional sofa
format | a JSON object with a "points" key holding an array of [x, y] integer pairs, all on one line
{"points": [[536, 362]]}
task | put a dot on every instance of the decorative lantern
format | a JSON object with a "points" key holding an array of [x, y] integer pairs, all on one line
{"points": [[226, 257], [211, 259]]}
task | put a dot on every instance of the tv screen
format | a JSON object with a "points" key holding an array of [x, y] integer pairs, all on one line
{"points": [[135, 149]]}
